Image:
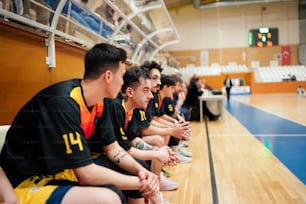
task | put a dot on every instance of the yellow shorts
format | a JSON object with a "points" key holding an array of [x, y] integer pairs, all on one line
{"points": [[35, 189], [42, 195]]}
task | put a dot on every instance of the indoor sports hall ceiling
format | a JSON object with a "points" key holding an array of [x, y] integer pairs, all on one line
{"points": [[202, 4]]}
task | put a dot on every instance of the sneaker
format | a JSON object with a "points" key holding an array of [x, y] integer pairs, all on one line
{"points": [[183, 159], [167, 185], [184, 145], [184, 152]]}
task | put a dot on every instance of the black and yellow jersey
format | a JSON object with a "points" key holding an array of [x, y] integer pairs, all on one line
{"points": [[55, 131]]}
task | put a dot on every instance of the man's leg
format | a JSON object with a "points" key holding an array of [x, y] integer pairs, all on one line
{"points": [[134, 196], [228, 93], [52, 194], [156, 140], [107, 195]]}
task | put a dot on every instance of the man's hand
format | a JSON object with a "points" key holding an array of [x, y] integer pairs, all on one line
{"points": [[164, 156], [173, 157], [179, 130], [149, 184]]}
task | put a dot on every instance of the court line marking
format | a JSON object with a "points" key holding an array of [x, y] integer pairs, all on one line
{"points": [[211, 168], [273, 113], [296, 171]]}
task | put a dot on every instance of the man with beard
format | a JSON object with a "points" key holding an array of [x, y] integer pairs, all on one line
{"points": [[136, 93], [156, 128]]}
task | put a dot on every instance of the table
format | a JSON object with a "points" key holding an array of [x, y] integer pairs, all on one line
{"points": [[215, 103]]}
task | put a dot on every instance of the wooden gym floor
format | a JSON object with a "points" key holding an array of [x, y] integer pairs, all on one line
{"points": [[249, 156]]}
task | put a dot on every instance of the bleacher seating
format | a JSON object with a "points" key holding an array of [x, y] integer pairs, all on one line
{"points": [[262, 74], [212, 70], [83, 16], [280, 73], [95, 23], [234, 68]]}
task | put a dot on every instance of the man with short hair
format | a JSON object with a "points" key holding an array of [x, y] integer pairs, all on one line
{"points": [[136, 93], [158, 123], [167, 89], [228, 85], [56, 138]]}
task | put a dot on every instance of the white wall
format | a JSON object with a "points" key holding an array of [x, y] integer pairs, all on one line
{"points": [[227, 27]]}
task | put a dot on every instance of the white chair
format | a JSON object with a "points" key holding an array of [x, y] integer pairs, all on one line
{"points": [[273, 63], [255, 64]]}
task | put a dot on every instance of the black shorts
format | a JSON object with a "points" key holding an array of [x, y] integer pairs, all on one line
{"points": [[173, 141], [71, 183]]}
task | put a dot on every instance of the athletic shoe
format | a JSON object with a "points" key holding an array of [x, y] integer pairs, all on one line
{"points": [[182, 158], [184, 145], [184, 152], [167, 185]]}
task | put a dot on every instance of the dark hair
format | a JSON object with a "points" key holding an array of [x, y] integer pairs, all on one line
{"points": [[196, 79], [167, 80], [151, 65], [177, 78], [103, 57], [132, 77]]}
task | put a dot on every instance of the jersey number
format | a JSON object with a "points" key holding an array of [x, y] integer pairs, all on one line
{"points": [[142, 115], [71, 139]]}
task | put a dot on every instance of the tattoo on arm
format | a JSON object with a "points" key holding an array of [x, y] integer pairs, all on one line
{"points": [[119, 155], [139, 145], [148, 147], [143, 146]]}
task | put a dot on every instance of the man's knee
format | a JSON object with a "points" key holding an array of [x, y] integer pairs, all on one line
{"points": [[117, 191], [159, 141]]}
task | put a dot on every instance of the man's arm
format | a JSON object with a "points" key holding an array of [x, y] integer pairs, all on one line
{"points": [[178, 131], [169, 119], [142, 150], [142, 145], [164, 120], [122, 158], [158, 124], [161, 155], [95, 175], [156, 130], [144, 180], [179, 104], [7, 194], [149, 181]]}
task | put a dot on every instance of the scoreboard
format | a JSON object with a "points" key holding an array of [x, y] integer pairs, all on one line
{"points": [[263, 37]]}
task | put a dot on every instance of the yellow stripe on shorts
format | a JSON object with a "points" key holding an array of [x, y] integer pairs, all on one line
{"points": [[37, 194]]}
